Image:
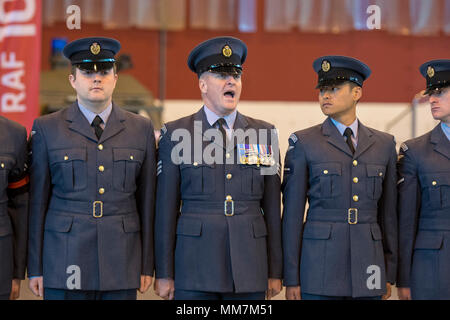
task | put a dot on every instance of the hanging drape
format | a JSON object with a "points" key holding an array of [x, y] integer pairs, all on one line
{"points": [[407, 17]]}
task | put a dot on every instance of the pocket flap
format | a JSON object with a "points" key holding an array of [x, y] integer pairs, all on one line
{"points": [[127, 154], [259, 228], [375, 170], [376, 232], [131, 224], [7, 162], [317, 230], [5, 226], [434, 180], [429, 241], [189, 227], [62, 155], [325, 169], [58, 223], [196, 165]]}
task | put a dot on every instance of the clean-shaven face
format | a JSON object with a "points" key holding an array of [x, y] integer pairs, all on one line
{"points": [[338, 99], [220, 92], [440, 104], [94, 88]]}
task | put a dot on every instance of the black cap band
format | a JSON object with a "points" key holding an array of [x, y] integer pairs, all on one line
{"points": [[337, 75]]}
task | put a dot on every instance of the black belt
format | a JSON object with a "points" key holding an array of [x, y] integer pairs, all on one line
{"points": [[228, 207], [350, 216], [97, 209]]}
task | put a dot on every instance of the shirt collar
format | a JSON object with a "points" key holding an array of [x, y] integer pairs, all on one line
{"points": [[341, 127], [446, 130], [212, 117], [90, 116]]}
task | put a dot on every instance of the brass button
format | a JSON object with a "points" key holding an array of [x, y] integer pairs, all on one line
{"points": [[380, 174], [434, 183], [228, 155], [355, 180], [101, 191], [131, 158], [195, 164], [355, 163], [66, 158], [2, 165], [229, 198], [100, 147], [355, 198], [101, 168], [229, 176], [325, 171]]}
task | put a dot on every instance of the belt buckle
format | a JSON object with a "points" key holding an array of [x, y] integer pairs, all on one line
{"points": [[232, 208], [94, 211], [350, 211]]}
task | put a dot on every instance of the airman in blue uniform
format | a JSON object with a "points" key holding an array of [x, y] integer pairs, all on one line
{"points": [[424, 198], [346, 248], [13, 207], [218, 225], [92, 185]]}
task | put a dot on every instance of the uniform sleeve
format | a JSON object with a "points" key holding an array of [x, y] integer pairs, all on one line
{"points": [[408, 213], [167, 209], [294, 188], [18, 186], [40, 189], [145, 198], [271, 205], [387, 216]]}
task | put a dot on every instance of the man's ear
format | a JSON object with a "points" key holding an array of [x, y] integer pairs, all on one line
{"points": [[72, 80], [357, 93], [202, 85]]}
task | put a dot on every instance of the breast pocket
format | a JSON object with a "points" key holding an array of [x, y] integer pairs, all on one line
{"points": [[326, 179], [6, 165], [437, 186], [252, 180], [375, 177], [127, 163], [68, 167], [197, 178]]}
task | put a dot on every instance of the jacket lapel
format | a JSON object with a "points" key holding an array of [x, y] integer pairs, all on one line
{"points": [[79, 123], [440, 141], [334, 137], [114, 124], [365, 140]]}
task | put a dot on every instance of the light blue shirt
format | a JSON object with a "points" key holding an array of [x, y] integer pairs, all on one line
{"points": [[229, 119], [353, 126], [90, 116], [446, 130]]}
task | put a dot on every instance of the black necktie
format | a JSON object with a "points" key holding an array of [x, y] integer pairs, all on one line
{"points": [[221, 123], [97, 128], [348, 133]]}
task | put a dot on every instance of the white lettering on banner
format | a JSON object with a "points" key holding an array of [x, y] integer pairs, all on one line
{"points": [[12, 102], [17, 16]]}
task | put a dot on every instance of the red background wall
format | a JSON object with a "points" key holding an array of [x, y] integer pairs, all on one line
{"points": [[279, 65]]}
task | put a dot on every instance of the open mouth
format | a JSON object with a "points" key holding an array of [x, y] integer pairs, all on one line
{"points": [[229, 94]]}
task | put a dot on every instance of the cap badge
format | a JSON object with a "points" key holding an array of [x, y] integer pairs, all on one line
{"points": [[430, 72], [95, 48], [226, 51], [326, 66]]}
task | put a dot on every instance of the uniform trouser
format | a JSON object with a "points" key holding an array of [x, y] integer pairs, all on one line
{"points": [[202, 295], [306, 296], [61, 294]]}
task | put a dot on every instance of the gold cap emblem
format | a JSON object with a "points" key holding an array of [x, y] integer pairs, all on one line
{"points": [[95, 48], [430, 72], [226, 51], [326, 66]]}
